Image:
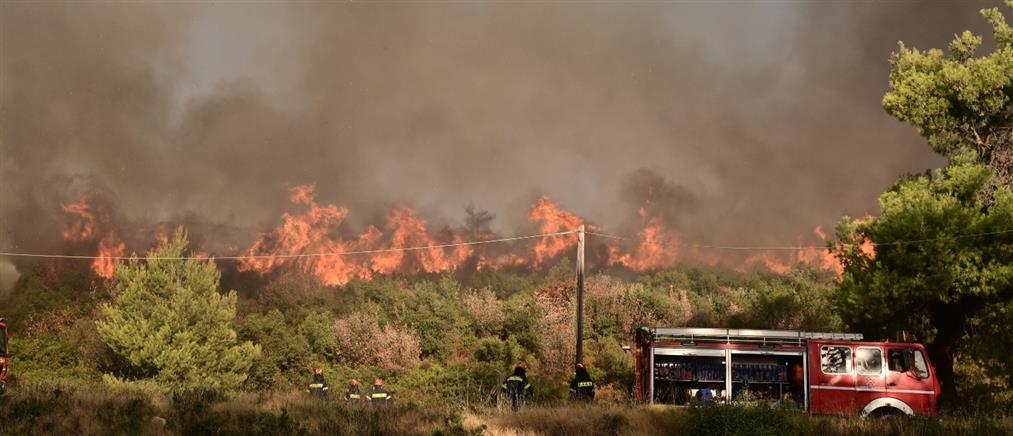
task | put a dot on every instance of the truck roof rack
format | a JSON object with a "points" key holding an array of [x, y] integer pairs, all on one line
{"points": [[745, 335]]}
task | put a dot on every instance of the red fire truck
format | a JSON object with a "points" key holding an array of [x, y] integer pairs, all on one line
{"points": [[827, 373], [4, 365]]}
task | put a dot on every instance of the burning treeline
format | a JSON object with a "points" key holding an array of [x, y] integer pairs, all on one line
{"points": [[314, 238]]}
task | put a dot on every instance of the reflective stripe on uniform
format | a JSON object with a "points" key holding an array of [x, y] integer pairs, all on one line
{"points": [[316, 385], [378, 395], [354, 396], [584, 384], [514, 378]]}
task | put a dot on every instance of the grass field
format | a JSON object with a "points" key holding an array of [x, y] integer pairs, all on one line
{"points": [[48, 411]]}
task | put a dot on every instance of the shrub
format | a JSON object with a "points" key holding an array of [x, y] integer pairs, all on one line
{"points": [[171, 324], [363, 341]]}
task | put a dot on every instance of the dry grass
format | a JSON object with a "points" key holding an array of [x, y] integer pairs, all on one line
{"points": [[714, 421], [38, 410]]}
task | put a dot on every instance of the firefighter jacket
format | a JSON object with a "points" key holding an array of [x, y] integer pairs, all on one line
{"points": [[517, 384], [319, 385], [353, 392], [581, 387], [378, 396]]}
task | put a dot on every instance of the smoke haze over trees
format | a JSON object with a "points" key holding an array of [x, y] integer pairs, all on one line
{"points": [[204, 115]]}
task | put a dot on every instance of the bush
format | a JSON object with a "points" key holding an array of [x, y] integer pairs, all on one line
{"points": [[363, 341], [285, 357], [172, 325]]}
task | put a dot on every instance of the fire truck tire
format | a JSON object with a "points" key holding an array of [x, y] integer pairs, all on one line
{"points": [[886, 406]]}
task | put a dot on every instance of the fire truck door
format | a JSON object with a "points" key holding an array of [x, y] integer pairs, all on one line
{"points": [[832, 379], [909, 381], [870, 379]]}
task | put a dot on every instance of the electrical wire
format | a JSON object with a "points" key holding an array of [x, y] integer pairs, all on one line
{"points": [[802, 247], [294, 255], [492, 241]]}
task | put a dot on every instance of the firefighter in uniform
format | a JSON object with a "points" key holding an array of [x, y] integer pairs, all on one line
{"points": [[581, 387], [378, 396], [319, 385], [517, 386], [352, 393]]}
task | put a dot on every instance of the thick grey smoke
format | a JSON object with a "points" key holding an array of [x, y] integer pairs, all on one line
{"points": [[750, 122]]}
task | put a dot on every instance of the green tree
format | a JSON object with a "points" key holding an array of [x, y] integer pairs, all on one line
{"points": [[171, 324], [949, 283], [317, 329], [960, 102], [284, 356]]}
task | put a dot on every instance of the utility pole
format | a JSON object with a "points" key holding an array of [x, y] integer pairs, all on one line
{"points": [[580, 294]]}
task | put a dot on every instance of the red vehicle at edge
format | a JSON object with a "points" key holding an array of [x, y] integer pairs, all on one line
{"points": [[826, 373], [4, 365]]}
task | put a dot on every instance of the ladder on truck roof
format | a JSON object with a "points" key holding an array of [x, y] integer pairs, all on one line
{"points": [[693, 335]]}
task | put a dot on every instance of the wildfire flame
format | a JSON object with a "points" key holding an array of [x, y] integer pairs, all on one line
{"points": [[658, 247], [108, 247], [552, 219], [82, 225], [315, 235], [313, 238], [82, 228]]}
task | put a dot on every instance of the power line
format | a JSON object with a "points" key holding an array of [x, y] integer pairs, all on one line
{"points": [[294, 255], [803, 247], [492, 241]]}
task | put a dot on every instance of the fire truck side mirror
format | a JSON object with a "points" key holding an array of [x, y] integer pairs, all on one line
{"points": [[907, 362]]}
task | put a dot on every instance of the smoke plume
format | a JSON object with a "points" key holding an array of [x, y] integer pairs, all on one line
{"points": [[734, 123]]}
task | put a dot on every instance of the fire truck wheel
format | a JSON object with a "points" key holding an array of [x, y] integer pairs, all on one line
{"points": [[886, 407]]}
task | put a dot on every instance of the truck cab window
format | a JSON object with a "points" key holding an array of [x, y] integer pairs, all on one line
{"points": [[835, 359], [920, 369], [895, 360], [869, 360]]}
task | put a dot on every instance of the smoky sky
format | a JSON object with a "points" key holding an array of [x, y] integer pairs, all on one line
{"points": [[742, 122]]}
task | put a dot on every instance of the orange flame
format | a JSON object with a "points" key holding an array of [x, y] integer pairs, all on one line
{"points": [[658, 248], [552, 219], [108, 247], [314, 236], [820, 257], [82, 227]]}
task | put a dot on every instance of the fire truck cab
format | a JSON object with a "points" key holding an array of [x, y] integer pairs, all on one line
{"points": [[825, 373]]}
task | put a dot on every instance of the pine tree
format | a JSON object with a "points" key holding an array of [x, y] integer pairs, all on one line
{"points": [[171, 324]]}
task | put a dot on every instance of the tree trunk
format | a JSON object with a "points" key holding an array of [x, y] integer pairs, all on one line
{"points": [[942, 358], [950, 324]]}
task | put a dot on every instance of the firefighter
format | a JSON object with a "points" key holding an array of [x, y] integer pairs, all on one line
{"points": [[319, 385], [581, 387], [378, 396], [517, 386], [352, 393]]}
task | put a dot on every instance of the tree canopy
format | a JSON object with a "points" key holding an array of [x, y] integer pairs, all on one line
{"points": [[943, 261], [171, 324], [958, 101], [942, 267]]}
